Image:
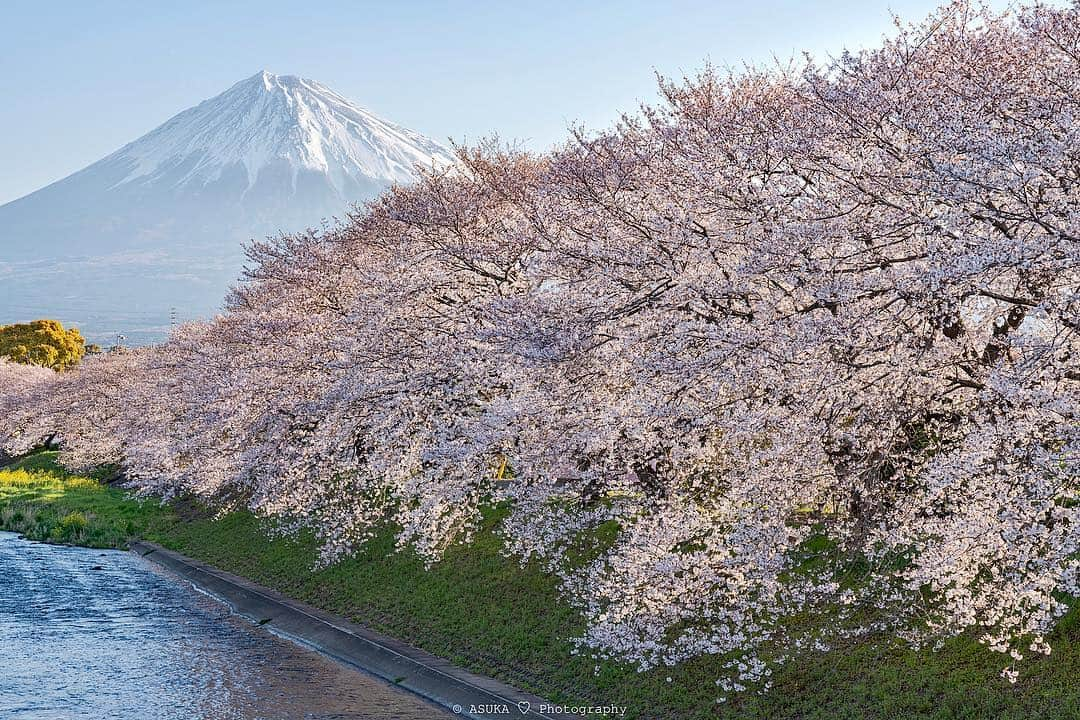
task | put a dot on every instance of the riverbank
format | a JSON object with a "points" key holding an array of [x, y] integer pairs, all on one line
{"points": [[484, 612], [433, 678]]}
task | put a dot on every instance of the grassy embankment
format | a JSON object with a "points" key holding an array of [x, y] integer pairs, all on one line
{"points": [[486, 613]]}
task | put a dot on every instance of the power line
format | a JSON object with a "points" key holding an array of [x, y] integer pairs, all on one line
{"points": [[89, 312]]}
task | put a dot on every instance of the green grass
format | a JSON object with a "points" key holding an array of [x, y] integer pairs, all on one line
{"points": [[42, 502], [485, 612]]}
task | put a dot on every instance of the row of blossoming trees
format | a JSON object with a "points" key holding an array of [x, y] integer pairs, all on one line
{"points": [[808, 339]]}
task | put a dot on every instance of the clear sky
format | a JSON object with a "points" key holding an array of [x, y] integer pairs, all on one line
{"points": [[80, 79]]}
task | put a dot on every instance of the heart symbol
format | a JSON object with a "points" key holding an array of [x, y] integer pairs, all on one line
{"points": [[524, 706]]}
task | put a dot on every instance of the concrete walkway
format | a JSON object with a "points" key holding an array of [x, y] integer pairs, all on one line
{"points": [[462, 692]]}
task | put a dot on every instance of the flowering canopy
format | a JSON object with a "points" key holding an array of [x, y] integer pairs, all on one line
{"points": [[807, 340]]}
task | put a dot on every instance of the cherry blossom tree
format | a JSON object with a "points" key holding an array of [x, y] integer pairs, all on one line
{"points": [[796, 342], [24, 387]]}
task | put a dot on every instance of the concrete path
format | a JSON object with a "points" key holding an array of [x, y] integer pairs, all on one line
{"points": [[462, 692]]}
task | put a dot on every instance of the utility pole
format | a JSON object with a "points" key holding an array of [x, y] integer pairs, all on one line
{"points": [[173, 322]]}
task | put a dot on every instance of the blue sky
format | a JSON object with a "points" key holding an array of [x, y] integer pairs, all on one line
{"points": [[78, 79]]}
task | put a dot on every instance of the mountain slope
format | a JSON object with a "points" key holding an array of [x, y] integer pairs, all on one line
{"points": [[159, 223]]}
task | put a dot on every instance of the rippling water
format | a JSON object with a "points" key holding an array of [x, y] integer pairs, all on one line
{"points": [[106, 634]]}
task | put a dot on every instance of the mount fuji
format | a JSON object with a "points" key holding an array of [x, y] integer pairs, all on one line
{"points": [[156, 229]]}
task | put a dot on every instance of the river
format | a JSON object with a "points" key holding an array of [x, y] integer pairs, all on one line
{"points": [[106, 634]]}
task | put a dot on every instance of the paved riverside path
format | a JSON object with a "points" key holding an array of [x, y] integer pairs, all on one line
{"points": [[464, 693]]}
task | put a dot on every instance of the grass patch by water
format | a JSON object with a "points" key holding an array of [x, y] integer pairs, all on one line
{"points": [[42, 502], [485, 612]]}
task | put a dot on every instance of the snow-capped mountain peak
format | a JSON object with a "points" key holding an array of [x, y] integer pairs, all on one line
{"points": [[267, 120], [161, 222]]}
